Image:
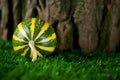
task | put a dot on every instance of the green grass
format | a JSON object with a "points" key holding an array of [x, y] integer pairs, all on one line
{"points": [[63, 65]]}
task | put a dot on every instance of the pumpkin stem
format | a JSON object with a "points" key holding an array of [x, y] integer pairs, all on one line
{"points": [[32, 46]]}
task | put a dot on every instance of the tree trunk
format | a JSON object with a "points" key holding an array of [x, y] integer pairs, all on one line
{"points": [[4, 19], [114, 39], [98, 24], [17, 17], [85, 20], [65, 35]]}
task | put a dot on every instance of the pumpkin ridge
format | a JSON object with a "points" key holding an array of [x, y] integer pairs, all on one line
{"points": [[38, 25], [48, 38], [16, 48], [22, 31], [50, 49], [43, 29], [25, 52], [32, 27], [18, 39]]}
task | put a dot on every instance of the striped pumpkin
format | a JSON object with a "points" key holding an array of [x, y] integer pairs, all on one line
{"points": [[34, 37]]}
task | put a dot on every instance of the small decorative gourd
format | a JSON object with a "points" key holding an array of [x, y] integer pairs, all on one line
{"points": [[34, 37]]}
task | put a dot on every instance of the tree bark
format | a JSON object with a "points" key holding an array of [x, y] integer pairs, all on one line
{"points": [[114, 40], [17, 5], [30, 6], [98, 24], [85, 20], [65, 35], [4, 19]]}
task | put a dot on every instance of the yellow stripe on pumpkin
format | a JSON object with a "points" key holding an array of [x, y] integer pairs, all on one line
{"points": [[32, 27], [22, 31], [43, 29], [31, 54], [39, 54], [25, 52], [50, 49], [19, 47], [48, 39], [18, 39]]}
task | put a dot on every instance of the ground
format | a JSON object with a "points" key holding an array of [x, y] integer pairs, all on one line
{"points": [[62, 65]]}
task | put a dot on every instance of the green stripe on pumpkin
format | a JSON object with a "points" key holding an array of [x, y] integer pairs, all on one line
{"points": [[25, 52], [38, 25], [52, 37], [43, 52], [51, 43], [43, 29], [20, 27], [26, 26], [50, 49], [21, 50], [39, 54], [46, 34], [20, 35], [18, 43], [19, 47], [32, 27], [18, 39]]}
